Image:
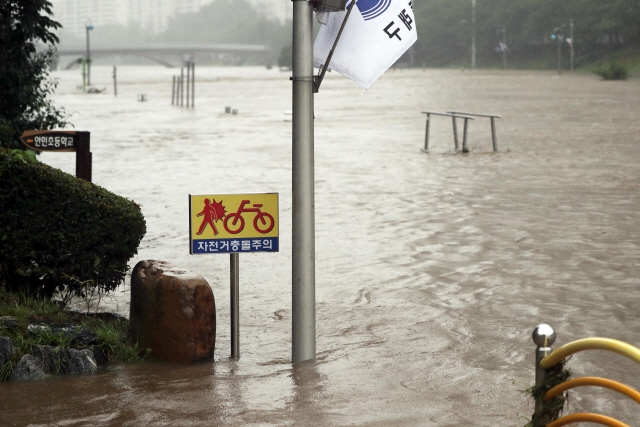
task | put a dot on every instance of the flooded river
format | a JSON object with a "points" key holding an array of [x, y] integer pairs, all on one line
{"points": [[432, 268]]}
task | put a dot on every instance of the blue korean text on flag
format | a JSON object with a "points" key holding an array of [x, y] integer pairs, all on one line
{"points": [[376, 35]]}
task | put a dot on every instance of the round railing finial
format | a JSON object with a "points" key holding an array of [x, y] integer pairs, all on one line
{"points": [[543, 335]]}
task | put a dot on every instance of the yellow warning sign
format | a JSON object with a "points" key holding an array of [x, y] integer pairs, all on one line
{"points": [[233, 223]]}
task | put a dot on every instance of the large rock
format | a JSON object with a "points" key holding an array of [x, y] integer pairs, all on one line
{"points": [[7, 350], [9, 322], [65, 360], [173, 312], [77, 335], [29, 367]]}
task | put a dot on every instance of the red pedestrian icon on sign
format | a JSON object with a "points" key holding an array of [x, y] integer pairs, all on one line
{"points": [[212, 212]]}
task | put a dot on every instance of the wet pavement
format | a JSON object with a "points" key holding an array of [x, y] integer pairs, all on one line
{"points": [[432, 268]]}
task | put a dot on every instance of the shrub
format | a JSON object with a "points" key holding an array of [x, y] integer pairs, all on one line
{"points": [[59, 233], [613, 71]]}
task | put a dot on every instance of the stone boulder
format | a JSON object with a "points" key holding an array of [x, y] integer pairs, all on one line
{"points": [[7, 350], [9, 322], [77, 335], [65, 360], [29, 367], [173, 312]]}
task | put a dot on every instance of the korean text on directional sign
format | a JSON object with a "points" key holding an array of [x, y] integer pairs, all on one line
{"points": [[233, 223], [50, 140]]}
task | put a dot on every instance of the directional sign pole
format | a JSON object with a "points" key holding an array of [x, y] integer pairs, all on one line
{"points": [[235, 306], [303, 242], [83, 156]]}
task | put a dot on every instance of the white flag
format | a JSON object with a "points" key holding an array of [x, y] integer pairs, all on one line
{"points": [[376, 35]]}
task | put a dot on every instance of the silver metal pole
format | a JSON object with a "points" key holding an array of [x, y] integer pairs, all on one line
{"points": [[181, 86], [559, 56], [473, 33], [455, 133], [193, 84], [115, 81], [88, 58], [543, 336], [464, 137], [303, 230], [177, 90], [504, 50], [235, 306], [426, 134], [173, 90], [188, 81], [572, 41], [493, 134]]}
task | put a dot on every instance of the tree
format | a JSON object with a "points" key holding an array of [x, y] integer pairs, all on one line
{"points": [[228, 21], [24, 72]]}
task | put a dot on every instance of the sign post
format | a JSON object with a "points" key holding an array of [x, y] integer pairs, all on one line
{"points": [[233, 224], [63, 141], [235, 306]]}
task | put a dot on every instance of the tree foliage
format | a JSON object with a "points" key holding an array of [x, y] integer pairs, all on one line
{"points": [[445, 28], [228, 21], [24, 81]]}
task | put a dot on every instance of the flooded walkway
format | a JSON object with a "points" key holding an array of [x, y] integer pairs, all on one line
{"points": [[432, 269]]}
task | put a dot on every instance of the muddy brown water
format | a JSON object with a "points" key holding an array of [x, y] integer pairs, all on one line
{"points": [[432, 269]]}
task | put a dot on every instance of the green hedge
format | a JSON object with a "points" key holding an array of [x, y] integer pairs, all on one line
{"points": [[612, 71], [60, 233]]}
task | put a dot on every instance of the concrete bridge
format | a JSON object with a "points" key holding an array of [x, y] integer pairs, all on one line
{"points": [[170, 55]]}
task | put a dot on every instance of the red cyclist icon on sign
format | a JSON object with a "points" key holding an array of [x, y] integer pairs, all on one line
{"points": [[212, 212], [267, 224]]}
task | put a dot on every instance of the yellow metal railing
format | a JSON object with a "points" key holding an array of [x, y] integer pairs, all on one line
{"points": [[546, 358], [592, 381], [567, 350], [588, 418]]}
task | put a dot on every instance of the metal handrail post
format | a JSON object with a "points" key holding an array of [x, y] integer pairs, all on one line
{"points": [[426, 134], [493, 134], [464, 136], [543, 336], [455, 133]]}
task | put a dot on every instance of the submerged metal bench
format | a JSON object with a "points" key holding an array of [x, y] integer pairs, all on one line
{"points": [[493, 127], [454, 116]]}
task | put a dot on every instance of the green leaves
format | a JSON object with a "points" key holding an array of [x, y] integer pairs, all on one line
{"points": [[24, 156], [24, 82], [67, 235]]}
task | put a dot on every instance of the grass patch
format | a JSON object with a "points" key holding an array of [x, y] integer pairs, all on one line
{"points": [[114, 339], [547, 412]]}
